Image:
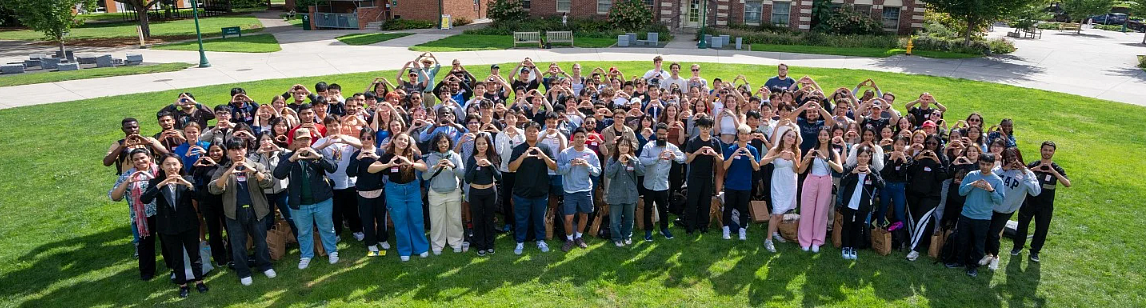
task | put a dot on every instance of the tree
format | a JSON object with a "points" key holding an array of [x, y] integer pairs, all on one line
{"points": [[1082, 9], [1138, 8], [977, 13], [630, 15], [141, 8], [54, 18]]}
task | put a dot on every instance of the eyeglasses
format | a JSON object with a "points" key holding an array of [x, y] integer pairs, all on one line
{"points": [[932, 143], [696, 70], [974, 120]]}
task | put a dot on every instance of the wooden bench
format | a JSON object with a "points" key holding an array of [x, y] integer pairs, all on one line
{"points": [[1070, 26], [559, 37], [527, 37], [236, 31], [1033, 32]]}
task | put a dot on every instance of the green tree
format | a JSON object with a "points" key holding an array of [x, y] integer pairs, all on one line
{"points": [[506, 10], [141, 7], [54, 18], [821, 13], [1082, 9], [630, 15], [977, 13], [1138, 8]]}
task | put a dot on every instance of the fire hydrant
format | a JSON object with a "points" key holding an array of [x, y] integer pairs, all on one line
{"points": [[909, 46]]}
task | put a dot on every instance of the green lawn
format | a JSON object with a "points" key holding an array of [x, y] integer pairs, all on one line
{"points": [[179, 28], [248, 43], [464, 42], [42, 77], [369, 38], [65, 243], [858, 52]]}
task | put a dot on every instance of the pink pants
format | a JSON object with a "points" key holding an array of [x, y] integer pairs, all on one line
{"points": [[814, 206]]}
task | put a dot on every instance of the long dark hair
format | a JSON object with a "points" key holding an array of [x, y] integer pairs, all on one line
{"points": [[163, 173], [617, 150], [490, 152]]}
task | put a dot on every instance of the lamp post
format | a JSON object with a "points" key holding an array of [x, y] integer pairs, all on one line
{"points": [[703, 24], [203, 63]]}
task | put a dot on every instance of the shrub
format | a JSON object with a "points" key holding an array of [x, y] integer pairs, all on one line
{"points": [[403, 24], [462, 21], [847, 21], [243, 4], [812, 38], [938, 37], [1142, 62], [1001, 46], [1110, 27], [1050, 25], [630, 15], [303, 6], [506, 10], [594, 28]]}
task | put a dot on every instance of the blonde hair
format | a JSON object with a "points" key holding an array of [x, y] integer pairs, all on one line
{"points": [[743, 129]]}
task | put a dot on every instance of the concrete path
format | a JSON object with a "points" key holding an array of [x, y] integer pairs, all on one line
{"points": [[1095, 64]]}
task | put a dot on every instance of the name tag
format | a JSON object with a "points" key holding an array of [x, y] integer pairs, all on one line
{"points": [[867, 181], [738, 157], [479, 167], [241, 177], [1048, 178], [394, 169], [629, 168], [928, 169], [593, 143], [897, 168]]}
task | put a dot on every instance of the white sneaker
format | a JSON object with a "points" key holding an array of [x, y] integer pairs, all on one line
{"points": [[457, 249], [776, 235], [619, 243], [844, 254], [815, 248], [743, 234], [994, 264], [628, 241], [518, 248], [404, 258], [986, 259], [852, 254], [424, 255], [332, 257], [303, 263], [805, 248], [359, 236], [725, 233], [246, 281], [768, 245], [912, 255], [465, 247], [541, 245], [437, 252], [270, 273], [385, 245]]}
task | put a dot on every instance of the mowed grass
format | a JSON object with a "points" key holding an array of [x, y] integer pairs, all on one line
{"points": [[65, 243], [468, 42], [369, 38], [260, 43], [42, 77], [185, 27], [859, 51]]}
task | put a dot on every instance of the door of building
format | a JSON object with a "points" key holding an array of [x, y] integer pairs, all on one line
{"points": [[692, 14]]}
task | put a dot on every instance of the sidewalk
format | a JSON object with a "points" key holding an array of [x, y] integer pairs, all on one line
{"points": [[1099, 65]]}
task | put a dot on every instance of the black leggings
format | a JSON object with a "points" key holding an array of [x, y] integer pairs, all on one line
{"points": [[852, 234], [174, 244], [1041, 212], [737, 199], [483, 203], [994, 233], [697, 204], [660, 198], [372, 211]]}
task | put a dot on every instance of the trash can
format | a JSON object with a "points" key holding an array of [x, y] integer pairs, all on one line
{"points": [[306, 21]]}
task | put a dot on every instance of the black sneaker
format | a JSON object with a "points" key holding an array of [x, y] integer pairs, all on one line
{"points": [[202, 287], [1035, 257], [974, 272], [184, 291], [481, 253], [1016, 251], [953, 265]]}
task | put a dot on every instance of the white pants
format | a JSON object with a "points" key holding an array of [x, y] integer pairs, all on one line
{"points": [[445, 219]]}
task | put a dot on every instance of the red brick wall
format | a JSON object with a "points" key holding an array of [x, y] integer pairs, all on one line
{"points": [[367, 15], [428, 9]]}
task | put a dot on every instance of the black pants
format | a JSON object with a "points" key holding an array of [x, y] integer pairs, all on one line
{"points": [[147, 251], [1042, 213], [483, 203], [697, 204], [212, 211], [676, 180], [174, 244], [920, 204], [972, 238], [852, 233], [373, 215], [660, 199], [507, 180], [994, 233], [246, 223], [346, 208], [737, 199]]}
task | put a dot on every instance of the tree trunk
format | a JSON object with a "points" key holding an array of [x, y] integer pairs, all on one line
{"points": [[967, 34], [62, 53], [1080, 26], [144, 23]]}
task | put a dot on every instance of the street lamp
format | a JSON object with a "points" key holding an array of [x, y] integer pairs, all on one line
{"points": [[703, 24], [199, 34]]}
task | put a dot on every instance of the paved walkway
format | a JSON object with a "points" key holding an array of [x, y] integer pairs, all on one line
{"points": [[1095, 64]]}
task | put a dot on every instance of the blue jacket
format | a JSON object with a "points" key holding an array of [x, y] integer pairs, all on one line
{"points": [[980, 203]]}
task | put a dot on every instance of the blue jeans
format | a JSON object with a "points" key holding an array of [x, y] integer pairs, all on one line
{"points": [[405, 204], [892, 192], [621, 218], [306, 217], [526, 210]]}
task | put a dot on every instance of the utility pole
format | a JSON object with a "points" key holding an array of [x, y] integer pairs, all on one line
{"points": [[703, 24], [203, 63]]}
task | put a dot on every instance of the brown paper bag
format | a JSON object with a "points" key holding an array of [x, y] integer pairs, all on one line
{"points": [[837, 230], [790, 226], [549, 216], [715, 213], [759, 211], [936, 245], [276, 245], [640, 214], [596, 226], [881, 241]]}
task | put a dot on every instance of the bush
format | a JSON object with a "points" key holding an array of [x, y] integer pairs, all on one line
{"points": [[244, 4], [303, 6], [811, 38], [630, 15], [403, 24], [1110, 27], [506, 10], [594, 28], [938, 37], [1001, 46], [1050, 25], [462, 21], [847, 21], [1142, 62]]}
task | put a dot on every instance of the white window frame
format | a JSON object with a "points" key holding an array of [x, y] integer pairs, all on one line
{"points": [[787, 17], [568, 6], [883, 18], [759, 5], [607, 5]]}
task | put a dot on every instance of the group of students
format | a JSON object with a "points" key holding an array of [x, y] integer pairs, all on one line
{"points": [[564, 145]]}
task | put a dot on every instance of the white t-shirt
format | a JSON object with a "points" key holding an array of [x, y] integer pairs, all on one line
{"points": [[679, 81]]}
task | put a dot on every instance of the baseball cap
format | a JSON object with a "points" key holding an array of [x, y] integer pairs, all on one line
{"points": [[301, 132], [495, 66]]}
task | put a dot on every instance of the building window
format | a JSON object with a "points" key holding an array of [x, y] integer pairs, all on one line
{"points": [[780, 12], [364, 3], [891, 18], [649, 3], [603, 6], [863, 8], [563, 6], [752, 9], [525, 4]]}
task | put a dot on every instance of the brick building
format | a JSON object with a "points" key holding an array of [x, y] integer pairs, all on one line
{"points": [[898, 16], [363, 13], [428, 9]]}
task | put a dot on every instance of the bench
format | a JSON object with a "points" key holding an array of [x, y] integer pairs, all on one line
{"points": [[105, 61], [559, 37], [12, 69], [134, 59], [49, 63], [527, 37], [86, 59], [622, 40], [236, 31], [1033, 32], [70, 66], [1070, 26], [653, 39]]}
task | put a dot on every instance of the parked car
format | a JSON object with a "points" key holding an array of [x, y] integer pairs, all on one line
{"points": [[1136, 25], [1109, 19]]}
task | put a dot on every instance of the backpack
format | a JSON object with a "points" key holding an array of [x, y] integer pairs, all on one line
{"points": [[948, 254]]}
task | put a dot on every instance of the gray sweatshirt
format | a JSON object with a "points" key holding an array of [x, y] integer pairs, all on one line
{"points": [[1017, 184], [623, 186], [448, 179]]}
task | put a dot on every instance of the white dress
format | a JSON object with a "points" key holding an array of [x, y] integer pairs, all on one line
{"points": [[783, 186]]}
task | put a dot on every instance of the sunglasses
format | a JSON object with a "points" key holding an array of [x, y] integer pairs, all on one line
{"points": [[932, 143], [696, 70]]}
